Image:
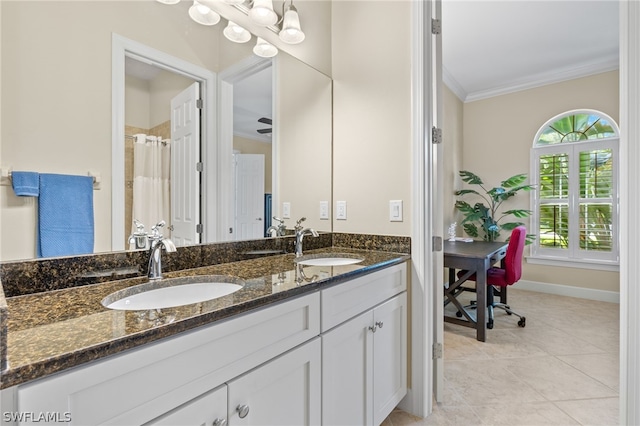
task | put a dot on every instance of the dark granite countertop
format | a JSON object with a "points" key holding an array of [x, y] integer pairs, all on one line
{"points": [[51, 331]]}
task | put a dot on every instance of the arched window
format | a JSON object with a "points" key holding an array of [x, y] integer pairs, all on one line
{"points": [[575, 202]]}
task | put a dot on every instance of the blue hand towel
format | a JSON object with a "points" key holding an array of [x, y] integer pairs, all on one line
{"points": [[26, 184], [65, 212]]}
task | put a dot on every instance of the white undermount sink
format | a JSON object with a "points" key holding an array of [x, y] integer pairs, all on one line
{"points": [[328, 260], [172, 292]]}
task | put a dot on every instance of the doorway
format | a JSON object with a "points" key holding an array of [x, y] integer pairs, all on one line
{"points": [[122, 49]]}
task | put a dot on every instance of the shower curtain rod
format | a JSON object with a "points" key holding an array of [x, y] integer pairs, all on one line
{"points": [[164, 141]]}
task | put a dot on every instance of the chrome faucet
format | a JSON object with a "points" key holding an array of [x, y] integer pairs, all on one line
{"points": [[157, 242], [277, 230], [300, 233]]}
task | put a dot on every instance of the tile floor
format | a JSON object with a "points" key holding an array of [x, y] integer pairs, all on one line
{"points": [[561, 369]]}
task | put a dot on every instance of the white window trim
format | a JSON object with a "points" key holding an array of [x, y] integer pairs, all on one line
{"points": [[574, 257]]}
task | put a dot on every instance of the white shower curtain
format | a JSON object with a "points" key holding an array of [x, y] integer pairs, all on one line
{"points": [[151, 174]]}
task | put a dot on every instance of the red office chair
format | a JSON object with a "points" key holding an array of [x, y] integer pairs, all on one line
{"points": [[498, 279]]}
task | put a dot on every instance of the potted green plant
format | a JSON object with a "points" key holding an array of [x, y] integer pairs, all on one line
{"points": [[483, 219]]}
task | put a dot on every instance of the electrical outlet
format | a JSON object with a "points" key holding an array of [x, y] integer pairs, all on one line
{"points": [[395, 210], [324, 210], [341, 210], [286, 210]]}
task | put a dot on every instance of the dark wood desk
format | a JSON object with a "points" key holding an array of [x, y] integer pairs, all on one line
{"points": [[476, 258]]}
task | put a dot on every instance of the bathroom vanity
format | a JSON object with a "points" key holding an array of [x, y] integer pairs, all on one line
{"points": [[298, 344]]}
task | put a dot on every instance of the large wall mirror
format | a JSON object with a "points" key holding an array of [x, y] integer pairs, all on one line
{"points": [[82, 82]]}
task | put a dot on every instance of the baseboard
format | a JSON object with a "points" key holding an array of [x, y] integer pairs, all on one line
{"points": [[566, 290]]}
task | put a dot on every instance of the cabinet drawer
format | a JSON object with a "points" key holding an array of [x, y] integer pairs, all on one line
{"points": [[346, 300], [144, 383]]}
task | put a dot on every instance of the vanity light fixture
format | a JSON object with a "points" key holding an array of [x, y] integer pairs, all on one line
{"points": [[291, 32], [264, 49], [236, 33], [203, 14], [261, 13]]}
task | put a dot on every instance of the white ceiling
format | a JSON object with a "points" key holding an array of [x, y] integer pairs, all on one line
{"points": [[491, 48]]}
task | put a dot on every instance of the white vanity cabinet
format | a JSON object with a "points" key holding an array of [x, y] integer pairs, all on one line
{"points": [[209, 409], [174, 377], [364, 357], [334, 356], [285, 391]]}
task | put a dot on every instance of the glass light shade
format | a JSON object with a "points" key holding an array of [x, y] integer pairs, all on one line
{"points": [[264, 49], [262, 13], [291, 32], [236, 33], [168, 1], [233, 1], [202, 14]]}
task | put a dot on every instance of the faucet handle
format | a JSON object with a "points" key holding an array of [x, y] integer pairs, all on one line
{"points": [[278, 219], [298, 223], [155, 230]]}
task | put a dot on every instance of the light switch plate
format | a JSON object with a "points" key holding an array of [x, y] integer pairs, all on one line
{"points": [[324, 210], [341, 210], [286, 210], [395, 210]]}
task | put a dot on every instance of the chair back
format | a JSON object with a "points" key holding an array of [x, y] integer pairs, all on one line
{"points": [[513, 257]]}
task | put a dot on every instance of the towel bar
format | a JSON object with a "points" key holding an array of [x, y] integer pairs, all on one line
{"points": [[5, 178]]}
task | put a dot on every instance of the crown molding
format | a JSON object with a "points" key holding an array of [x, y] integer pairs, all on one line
{"points": [[606, 64]]}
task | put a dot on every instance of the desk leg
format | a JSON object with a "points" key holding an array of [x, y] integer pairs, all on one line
{"points": [[481, 293]]}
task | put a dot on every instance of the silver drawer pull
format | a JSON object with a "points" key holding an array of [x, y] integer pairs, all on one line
{"points": [[379, 324], [373, 328], [219, 422], [242, 410]]}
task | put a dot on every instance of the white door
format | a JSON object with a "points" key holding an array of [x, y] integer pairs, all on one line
{"points": [[202, 411], [347, 373], [389, 356], [285, 391], [185, 158], [249, 192]]}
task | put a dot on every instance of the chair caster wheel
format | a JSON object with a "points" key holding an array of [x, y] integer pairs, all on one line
{"points": [[459, 314], [522, 322]]}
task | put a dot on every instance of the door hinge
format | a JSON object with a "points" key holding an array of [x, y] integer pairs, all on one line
{"points": [[436, 135], [437, 351], [199, 103], [199, 228], [199, 166], [437, 244], [436, 26]]}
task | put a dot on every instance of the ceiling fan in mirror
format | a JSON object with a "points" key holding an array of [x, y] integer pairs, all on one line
{"points": [[267, 121]]}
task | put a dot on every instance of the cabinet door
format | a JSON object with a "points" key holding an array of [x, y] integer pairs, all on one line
{"points": [[284, 391], [389, 356], [347, 373], [206, 410]]}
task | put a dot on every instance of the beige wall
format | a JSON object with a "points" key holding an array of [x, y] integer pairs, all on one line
{"points": [[498, 136], [372, 114], [452, 158]]}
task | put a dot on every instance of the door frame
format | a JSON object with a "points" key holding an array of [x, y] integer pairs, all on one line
{"points": [[122, 47]]}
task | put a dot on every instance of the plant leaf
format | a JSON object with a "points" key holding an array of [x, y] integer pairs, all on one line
{"points": [[471, 229], [467, 191], [470, 178], [514, 180], [519, 213], [464, 207]]}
